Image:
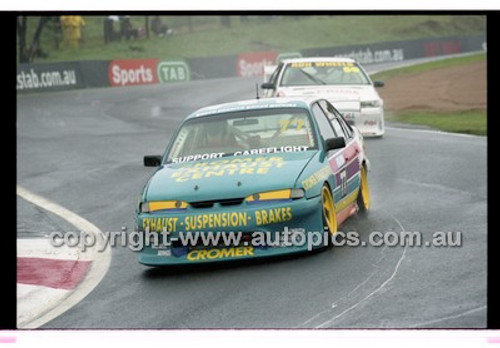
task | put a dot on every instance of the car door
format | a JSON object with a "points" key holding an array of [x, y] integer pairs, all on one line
{"points": [[335, 158], [348, 162]]}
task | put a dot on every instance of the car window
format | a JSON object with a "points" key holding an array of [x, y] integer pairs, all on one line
{"points": [[325, 128], [323, 73], [274, 75], [336, 119], [270, 130], [347, 127]]}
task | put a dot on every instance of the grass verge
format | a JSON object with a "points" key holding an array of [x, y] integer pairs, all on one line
{"points": [[468, 122]]}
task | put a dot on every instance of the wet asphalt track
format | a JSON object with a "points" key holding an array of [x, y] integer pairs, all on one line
{"points": [[83, 150]]}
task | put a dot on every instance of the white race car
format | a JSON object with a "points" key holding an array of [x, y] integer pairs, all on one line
{"points": [[342, 81]]}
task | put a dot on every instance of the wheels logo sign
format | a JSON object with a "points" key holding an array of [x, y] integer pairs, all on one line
{"points": [[173, 71]]}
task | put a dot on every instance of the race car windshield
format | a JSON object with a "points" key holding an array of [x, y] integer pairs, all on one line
{"points": [[271, 130], [323, 73]]}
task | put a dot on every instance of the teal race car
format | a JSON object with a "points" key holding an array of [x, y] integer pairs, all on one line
{"points": [[252, 179]]}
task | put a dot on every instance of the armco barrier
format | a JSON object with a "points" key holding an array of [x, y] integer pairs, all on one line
{"points": [[212, 67], [95, 73], [386, 52], [87, 74]]}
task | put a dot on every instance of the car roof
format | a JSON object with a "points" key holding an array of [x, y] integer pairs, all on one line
{"points": [[316, 59], [254, 104]]}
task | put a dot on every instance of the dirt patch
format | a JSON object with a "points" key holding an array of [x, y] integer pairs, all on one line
{"points": [[457, 88]]}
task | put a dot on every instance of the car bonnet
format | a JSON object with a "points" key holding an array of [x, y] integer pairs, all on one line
{"points": [[228, 177]]}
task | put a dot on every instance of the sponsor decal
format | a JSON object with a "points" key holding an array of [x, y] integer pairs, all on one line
{"points": [[273, 216], [222, 253], [196, 222], [370, 123], [252, 63], [160, 223], [328, 64], [259, 151], [201, 156], [348, 66], [350, 69], [132, 72], [272, 150], [436, 48], [316, 177], [173, 71], [221, 168], [215, 220]]}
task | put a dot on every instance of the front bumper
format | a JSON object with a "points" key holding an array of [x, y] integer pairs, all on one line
{"points": [[267, 218]]}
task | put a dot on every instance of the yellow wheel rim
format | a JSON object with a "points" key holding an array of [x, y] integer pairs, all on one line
{"points": [[365, 193], [329, 210]]}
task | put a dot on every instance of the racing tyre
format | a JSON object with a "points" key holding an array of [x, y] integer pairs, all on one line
{"points": [[363, 199], [329, 216]]}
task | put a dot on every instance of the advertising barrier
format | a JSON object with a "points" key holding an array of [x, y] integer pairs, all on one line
{"points": [[94, 73], [171, 71], [49, 77], [212, 67], [133, 72], [252, 63], [386, 52]]}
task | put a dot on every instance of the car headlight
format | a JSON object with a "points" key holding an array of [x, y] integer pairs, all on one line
{"points": [[275, 195], [371, 104], [148, 207]]}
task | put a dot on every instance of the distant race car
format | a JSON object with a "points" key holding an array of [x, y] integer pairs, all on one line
{"points": [[342, 81], [261, 177]]}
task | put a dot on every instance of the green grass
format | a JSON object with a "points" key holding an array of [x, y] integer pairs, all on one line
{"points": [[207, 37], [419, 68], [468, 122]]}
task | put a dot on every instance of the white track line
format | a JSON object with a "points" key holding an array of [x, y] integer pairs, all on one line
{"points": [[100, 264], [377, 290], [430, 131], [471, 311]]}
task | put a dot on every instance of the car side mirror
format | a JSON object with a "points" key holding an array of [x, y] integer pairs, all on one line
{"points": [[152, 161], [334, 143], [267, 85], [377, 84]]}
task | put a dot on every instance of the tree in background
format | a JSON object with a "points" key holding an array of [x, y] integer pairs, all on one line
{"points": [[28, 53]]}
